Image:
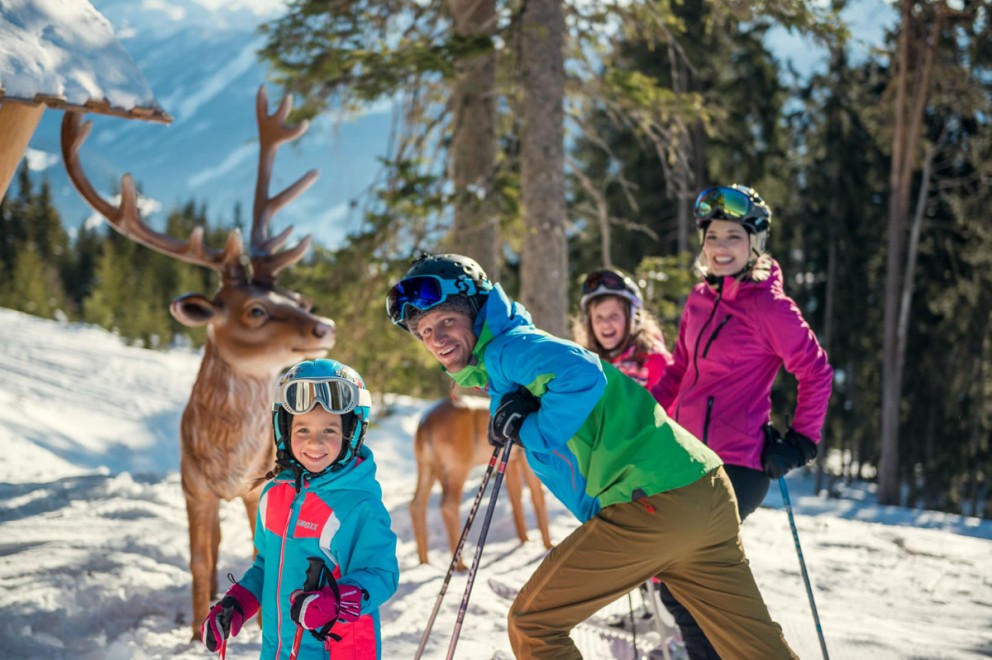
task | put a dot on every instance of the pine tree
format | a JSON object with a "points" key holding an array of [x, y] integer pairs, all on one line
{"points": [[36, 283], [103, 306]]}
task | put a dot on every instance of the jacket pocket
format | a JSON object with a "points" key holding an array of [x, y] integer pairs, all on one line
{"points": [[706, 421]]}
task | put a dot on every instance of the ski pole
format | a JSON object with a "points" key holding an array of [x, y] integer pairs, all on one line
{"points": [[315, 571], [655, 598], [222, 651], [478, 550], [457, 554], [802, 565]]}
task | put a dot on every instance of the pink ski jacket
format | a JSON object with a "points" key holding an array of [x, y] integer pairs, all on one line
{"points": [[734, 337]]}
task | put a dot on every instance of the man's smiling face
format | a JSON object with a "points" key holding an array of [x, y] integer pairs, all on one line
{"points": [[448, 335]]}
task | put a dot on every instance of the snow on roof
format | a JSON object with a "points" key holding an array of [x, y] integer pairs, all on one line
{"points": [[64, 53]]}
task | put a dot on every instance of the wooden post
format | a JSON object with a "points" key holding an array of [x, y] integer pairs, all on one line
{"points": [[17, 124]]}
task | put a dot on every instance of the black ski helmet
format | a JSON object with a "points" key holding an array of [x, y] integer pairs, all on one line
{"points": [[457, 274]]}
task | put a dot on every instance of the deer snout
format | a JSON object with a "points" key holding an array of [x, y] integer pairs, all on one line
{"points": [[324, 329]]}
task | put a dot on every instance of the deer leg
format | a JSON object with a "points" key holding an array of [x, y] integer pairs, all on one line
{"points": [[537, 498], [203, 513], [214, 553], [514, 487], [451, 498], [418, 507], [251, 508]]}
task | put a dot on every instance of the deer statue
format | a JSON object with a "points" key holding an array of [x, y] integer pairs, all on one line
{"points": [[449, 441], [254, 330]]}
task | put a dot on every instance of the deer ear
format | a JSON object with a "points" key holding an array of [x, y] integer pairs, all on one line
{"points": [[192, 309]]}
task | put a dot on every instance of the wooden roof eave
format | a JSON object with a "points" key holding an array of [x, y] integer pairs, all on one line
{"points": [[152, 114]]}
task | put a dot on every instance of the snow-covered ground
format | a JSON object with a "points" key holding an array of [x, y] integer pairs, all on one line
{"points": [[94, 551]]}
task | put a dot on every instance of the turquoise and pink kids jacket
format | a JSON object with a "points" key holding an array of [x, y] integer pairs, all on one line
{"points": [[599, 438], [734, 337], [338, 516]]}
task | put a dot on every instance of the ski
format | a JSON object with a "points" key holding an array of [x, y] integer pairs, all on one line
{"points": [[595, 637]]}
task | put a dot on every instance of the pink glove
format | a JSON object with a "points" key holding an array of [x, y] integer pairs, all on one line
{"points": [[315, 610], [226, 617]]}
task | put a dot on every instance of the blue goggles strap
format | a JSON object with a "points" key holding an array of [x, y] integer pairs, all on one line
{"points": [[424, 292], [336, 395]]}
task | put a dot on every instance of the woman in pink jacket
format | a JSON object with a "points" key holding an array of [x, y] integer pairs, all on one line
{"points": [[738, 328]]}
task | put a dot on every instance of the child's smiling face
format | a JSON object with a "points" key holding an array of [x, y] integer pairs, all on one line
{"points": [[608, 318], [316, 438]]}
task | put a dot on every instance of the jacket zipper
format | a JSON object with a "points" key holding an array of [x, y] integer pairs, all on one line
{"points": [[282, 559], [709, 342], [695, 348]]}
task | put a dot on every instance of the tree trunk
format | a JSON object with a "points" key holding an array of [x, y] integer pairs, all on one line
{"points": [[544, 257], [473, 148], [905, 145]]}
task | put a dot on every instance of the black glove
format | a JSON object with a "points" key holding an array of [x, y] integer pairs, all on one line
{"points": [[505, 423], [783, 454]]}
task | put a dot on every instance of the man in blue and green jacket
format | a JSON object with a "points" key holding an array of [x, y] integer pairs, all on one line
{"points": [[653, 500]]}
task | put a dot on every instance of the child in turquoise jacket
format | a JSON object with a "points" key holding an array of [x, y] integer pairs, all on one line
{"points": [[326, 556]]}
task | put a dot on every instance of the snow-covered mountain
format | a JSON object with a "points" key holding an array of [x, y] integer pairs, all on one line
{"points": [[199, 59], [94, 551]]}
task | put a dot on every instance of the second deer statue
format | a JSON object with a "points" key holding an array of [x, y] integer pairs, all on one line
{"points": [[254, 330], [449, 441]]}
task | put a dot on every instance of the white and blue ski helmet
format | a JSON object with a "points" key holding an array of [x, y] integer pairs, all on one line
{"points": [[337, 388]]}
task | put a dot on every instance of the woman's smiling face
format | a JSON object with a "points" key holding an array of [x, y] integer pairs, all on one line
{"points": [[726, 247]]}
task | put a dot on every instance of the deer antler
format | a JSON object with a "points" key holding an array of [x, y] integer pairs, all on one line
{"points": [[126, 219], [266, 261]]}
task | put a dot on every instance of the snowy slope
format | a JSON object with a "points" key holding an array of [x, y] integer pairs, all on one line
{"points": [[93, 538]]}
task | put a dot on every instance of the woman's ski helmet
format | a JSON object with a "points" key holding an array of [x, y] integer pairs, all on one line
{"points": [[739, 204]]}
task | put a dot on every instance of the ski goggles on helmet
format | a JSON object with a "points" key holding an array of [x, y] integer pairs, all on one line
{"points": [[722, 203], [424, 292], [336, 395], [603, 280], [608, 282]]}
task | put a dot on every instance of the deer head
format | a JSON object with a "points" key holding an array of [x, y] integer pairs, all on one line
{"points": [[252, 323]]}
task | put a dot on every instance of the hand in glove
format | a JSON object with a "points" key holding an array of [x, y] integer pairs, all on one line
{"points": [[784, 454], [513, 409], [315, 610], [226, 617]]}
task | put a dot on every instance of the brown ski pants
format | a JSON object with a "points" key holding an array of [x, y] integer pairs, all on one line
{"points": [[687, 537]]}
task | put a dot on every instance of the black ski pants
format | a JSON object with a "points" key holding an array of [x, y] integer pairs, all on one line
{"points": [[750, 486]]}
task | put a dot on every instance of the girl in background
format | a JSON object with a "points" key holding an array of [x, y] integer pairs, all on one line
{"points": [[615, 326]]}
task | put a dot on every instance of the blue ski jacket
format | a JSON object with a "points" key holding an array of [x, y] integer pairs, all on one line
{"points": [[338, 516], [598, 438]]}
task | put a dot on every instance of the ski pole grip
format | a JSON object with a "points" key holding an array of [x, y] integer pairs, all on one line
{"points": [[314, 570]]}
